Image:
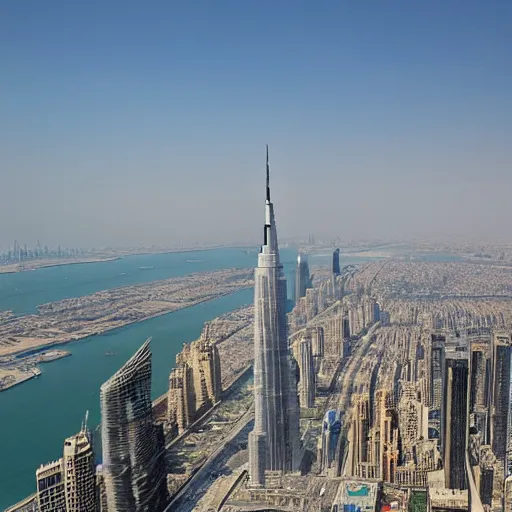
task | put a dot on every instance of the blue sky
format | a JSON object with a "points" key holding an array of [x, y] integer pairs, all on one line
{"points": [[130, 121]]}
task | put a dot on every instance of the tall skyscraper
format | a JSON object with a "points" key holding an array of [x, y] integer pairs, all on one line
{"points": [[455, 404], [307, 384], [50, 487], [180, 402], [302, 278], [437, 345], [336, 262], [500, 402], [274, 442], [133, 458], [79, 472]]}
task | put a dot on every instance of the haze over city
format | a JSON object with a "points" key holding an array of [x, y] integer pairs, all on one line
{"points": [[125, 122]]}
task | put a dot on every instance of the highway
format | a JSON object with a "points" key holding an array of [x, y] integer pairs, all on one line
{"points": [[186, 499]]}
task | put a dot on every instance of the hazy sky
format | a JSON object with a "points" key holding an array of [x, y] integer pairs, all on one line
{"points": [[123, 122]]}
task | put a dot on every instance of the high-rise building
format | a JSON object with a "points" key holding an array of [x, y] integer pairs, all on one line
{"points": [[331, 428], [180, 401], [205, 373], [500, 402], [274, 441], [437, 345], [302, 278], [133, 458], [51, 495], [195, 384], [317, 340], [455, 406], [336, 262], [79, 473], [480, 370], [307, 383]]}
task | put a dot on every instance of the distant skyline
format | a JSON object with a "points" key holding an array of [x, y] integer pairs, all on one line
{"points": [[128, 122]]}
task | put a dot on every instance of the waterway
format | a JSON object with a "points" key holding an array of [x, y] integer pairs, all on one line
{"points": [[22, 292], [36, 416]]}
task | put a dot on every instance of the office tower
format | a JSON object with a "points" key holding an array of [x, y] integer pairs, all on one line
{"points": [[302, 278], [333, 330], [455, 401], [336, 262], [501, 366], [361, 426], [480, 370], [316, 334], [331, 428], [51, 495], [317, 340], [437, 368], [346, 327], [311, 306], [133, 459], [180, 401], [376, 312], [274, 442], [79, 472], [307, 383], [335, 284]]}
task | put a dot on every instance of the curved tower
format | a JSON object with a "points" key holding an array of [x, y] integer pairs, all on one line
{"points": [[133, 458], [274, 442]]}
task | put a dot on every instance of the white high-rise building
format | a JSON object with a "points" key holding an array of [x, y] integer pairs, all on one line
{"points": [[274, 442]]}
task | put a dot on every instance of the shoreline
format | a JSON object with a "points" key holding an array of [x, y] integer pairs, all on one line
{"points": [[61, 321], [49, 346], [119, 256], [56, 264]]}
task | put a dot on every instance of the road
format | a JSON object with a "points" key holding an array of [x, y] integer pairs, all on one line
{"points": [[197, 485]]}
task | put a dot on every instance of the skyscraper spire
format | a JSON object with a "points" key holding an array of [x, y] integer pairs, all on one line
{"points": [[268, 179], [268, 210]]}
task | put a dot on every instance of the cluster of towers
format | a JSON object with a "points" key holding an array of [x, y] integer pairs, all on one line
{"points": [[21, 253], [133, 473], [195, 384], [433, 409]]}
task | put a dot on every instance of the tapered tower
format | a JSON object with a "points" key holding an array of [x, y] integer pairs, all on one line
{"points": [[133, 454], [274, 442]]}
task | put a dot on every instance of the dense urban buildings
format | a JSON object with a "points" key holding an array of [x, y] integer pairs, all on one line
{"points": [[21, 253], [274, 441], [393, 386], [133, 455]]}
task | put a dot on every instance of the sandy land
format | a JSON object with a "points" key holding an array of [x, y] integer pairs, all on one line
{"points": [[34, 265], [76, 318]]}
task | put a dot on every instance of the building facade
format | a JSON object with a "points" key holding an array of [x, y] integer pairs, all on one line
{"points": [[133, 458]]}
